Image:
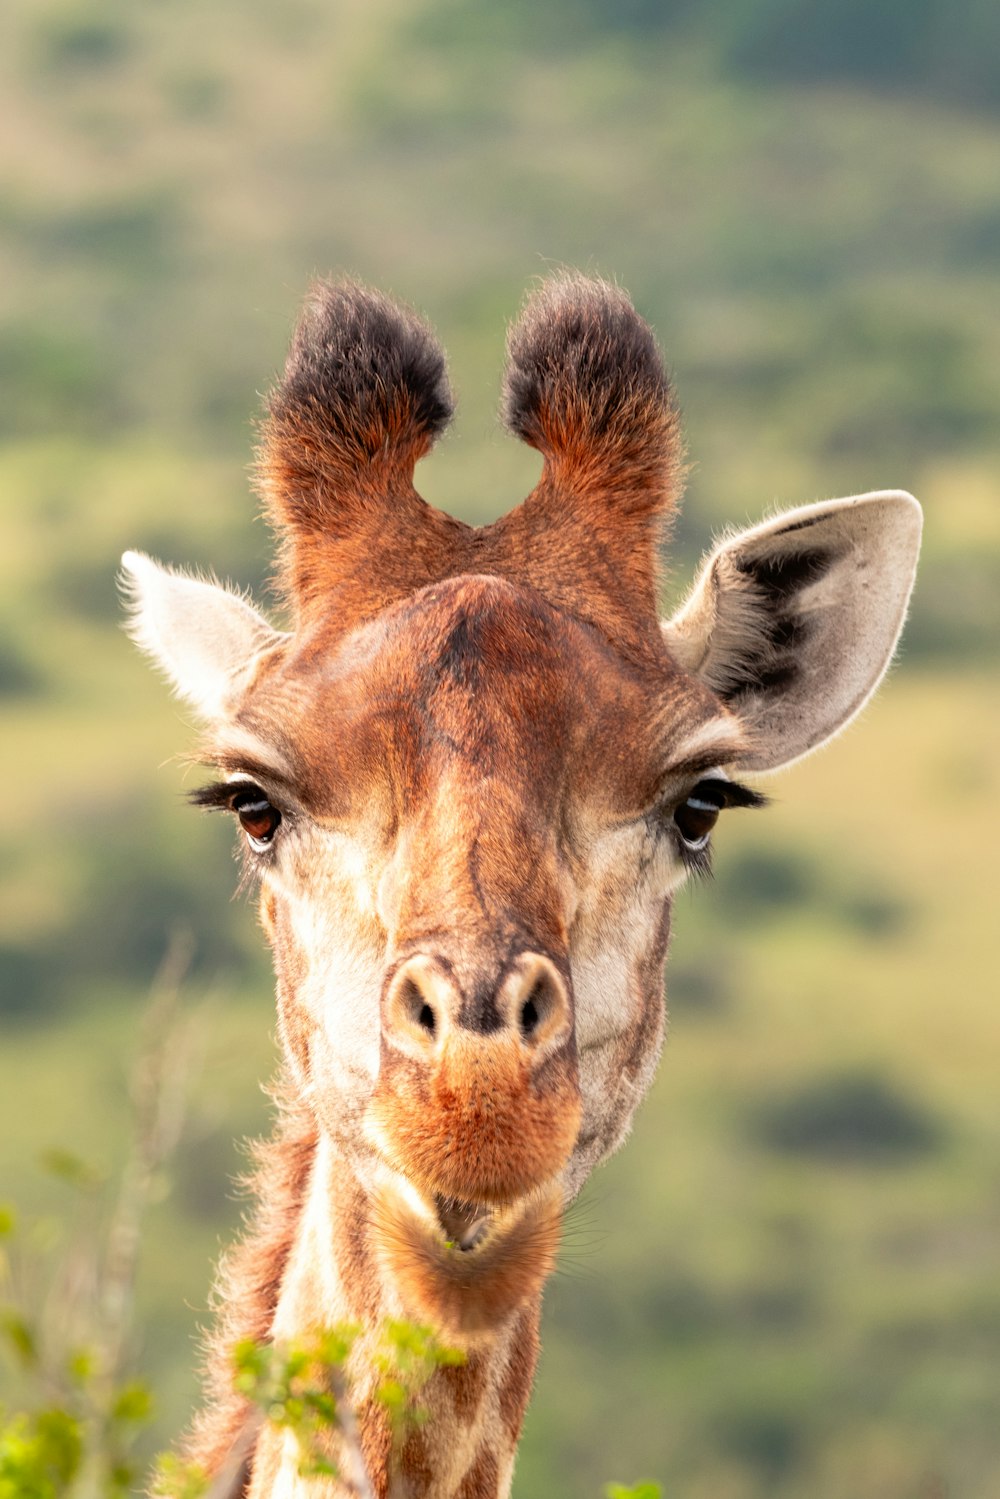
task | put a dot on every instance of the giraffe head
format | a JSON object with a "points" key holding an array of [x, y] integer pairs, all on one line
{"points": [[472, 773]]}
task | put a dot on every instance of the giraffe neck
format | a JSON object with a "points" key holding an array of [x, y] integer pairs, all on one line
{"points": [[465, 1447]]}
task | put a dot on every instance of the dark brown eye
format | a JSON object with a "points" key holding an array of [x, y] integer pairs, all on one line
{"points": [[258, 819], [696, 817]]}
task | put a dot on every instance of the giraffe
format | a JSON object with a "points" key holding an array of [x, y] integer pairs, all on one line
{"points": [[468, 779]]}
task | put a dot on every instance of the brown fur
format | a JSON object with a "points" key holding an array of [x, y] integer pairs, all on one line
{"points": [[467, 1384], [585, 384], [483, 1478], [466, 1297], [375, 1437], [480, 1127], [478, 742], [365, 394], [416, 1465], [515, 1387]]}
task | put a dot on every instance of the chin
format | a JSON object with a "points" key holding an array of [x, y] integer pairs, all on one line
{"points": [[466, 1267]]}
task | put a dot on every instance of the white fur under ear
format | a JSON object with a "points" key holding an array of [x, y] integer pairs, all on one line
{"points": [[202, 636], [793, 622]]}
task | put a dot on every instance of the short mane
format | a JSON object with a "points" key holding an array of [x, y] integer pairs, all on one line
{"points": [[251, 1272]]}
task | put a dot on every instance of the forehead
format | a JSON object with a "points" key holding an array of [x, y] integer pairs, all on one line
{"points": [[480, 679]]}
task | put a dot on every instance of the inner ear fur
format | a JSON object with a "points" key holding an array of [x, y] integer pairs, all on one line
{"points": [[793, 622], [205, 638]]}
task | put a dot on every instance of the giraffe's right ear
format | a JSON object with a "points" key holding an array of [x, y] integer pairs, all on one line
{"points": [[202, 636]]}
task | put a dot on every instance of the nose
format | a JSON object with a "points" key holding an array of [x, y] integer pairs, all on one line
{"points": [[529, 1002]]}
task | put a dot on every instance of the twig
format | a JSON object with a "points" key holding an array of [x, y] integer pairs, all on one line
{"points": [[360, 1481], [158, 1088], [158, 1091], [231, 1480]]}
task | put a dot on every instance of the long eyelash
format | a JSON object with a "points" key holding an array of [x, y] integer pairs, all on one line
{"points": [[251, 864], [737, 795], [216, 796], [698, 861]]}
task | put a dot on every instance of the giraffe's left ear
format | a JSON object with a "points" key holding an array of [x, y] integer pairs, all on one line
{"points": [[203, 637], [793, 623]]}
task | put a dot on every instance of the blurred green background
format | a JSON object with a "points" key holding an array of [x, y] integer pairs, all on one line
{"points": [[787, 1284]]}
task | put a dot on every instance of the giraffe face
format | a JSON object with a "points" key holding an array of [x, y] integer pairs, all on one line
{"points": [[467, 895], [474, 772]]}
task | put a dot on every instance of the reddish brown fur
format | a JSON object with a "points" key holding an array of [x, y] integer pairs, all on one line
{"points": [[490, 673], [375, 1436], [515, 1387], [444, 1288], [415, 1464], [480, 1126], [467, 1384], [585, 384]]}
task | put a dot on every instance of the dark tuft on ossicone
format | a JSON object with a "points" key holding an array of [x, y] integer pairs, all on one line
{"points": [[585, 381], [355, 358], [365, 390]]}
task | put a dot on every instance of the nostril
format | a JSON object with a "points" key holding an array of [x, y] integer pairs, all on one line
{"points": [[531, 1011], [416, 1008], [536, 1005], [539, 1010], [419, 1007]]}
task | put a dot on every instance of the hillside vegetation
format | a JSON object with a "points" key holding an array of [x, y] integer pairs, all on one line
{"points": [[786, 1284]]}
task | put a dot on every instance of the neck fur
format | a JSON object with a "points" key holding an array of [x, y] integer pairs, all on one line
{"points": [[306, 1262]]}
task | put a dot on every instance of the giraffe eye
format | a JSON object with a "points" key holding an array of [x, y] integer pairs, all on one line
{"points": [[258, 819], [697, 815]]}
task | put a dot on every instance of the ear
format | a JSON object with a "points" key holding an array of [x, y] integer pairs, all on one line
{"points": [[794, 622], [201, 635]]}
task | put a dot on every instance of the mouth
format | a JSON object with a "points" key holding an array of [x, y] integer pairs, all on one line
{"points": [[466, 1266], [464, 1224]]}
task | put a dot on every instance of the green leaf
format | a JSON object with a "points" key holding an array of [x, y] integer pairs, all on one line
{"points": [[39, 1456], [317, 1467], [121, 1476], [20, 1336], [297, 1361], [391, 1394], [333, 1344], [133, 1404], [173, 1479], [8, 1220], [80, 1365], [644, 1490], [323, 1406], [71, 1168]]}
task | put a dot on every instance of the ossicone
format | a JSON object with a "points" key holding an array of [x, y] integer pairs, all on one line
{"points": [[364, 394], [585, 384]]}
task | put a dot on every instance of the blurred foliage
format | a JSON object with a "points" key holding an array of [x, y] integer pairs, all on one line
{"points": [[853, 1116], [804, 201], [75, 1438]]}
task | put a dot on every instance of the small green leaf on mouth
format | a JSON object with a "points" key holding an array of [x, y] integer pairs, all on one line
{"points": [[463, 1223]]}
